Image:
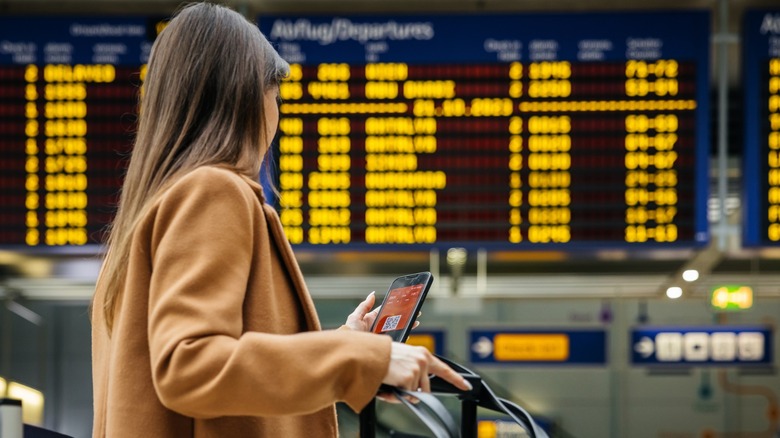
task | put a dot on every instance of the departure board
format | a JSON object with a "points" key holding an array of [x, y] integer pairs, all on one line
{"points": [[494, 131], [761, 83], [68, 99], [497, 131]]}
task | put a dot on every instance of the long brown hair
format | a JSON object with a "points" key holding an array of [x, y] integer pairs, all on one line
{"points": [[202, 105]]}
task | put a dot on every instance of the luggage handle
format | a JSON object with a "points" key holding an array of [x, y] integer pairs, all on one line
{"points": [[483, 396], [435, 417], [438, 419]]}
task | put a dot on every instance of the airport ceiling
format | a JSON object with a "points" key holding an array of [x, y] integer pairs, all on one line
{"points": [[252, 7]]}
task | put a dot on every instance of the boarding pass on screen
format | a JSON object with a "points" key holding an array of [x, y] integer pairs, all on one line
{"points": [[391, 323]]}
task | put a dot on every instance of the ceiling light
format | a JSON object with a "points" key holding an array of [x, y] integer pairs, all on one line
{"points": [[456, 256], [674, 292], [690, 275]]}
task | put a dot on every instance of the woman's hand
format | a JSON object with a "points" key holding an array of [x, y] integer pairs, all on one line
{"points": [[363, 317], [410, 367]]}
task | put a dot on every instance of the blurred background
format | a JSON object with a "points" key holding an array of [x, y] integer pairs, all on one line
{"points": [[595, 186]]}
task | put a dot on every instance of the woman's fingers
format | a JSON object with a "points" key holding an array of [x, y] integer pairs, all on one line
{"points": [[425, 381], [417, 322], [405, 366], [442, 370], [357, 320], [410, 366], [388, 397], [365, 307], [371, 316]]}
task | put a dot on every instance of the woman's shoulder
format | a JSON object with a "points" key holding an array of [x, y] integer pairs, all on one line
{"points": [[209, 175], [209, 182], [200, 199]]}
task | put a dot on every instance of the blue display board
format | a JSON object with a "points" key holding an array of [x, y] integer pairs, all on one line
{"points": [[538, 347], [702, 346], [497, 131], [761, 84]]}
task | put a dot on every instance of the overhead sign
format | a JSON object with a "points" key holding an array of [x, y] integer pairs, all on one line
{"points": [[732, 297], [549, 347], [728, 346], [432, 340]]}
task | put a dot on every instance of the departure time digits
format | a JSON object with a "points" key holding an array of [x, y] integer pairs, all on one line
{"points": [[56, 146], [397, 130], [773, 153], [651, 157]]}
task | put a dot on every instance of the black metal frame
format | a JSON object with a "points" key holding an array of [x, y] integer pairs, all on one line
{"points": [[480, 396]]}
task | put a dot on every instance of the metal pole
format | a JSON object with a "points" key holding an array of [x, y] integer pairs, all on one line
{"points": [[11, 425], [5, 350], [435, 269], [723, 118], [723, 40], [468, 418], [482, 271], [368, 420]]}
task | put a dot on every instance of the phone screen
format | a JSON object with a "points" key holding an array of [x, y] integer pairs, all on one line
{"points": [[398, 308], [401, 305]]}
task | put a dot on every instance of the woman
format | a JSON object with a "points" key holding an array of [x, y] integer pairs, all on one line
{"points": [[201, 323]]}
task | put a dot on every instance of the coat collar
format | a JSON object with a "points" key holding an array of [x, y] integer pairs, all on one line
{"points": [[281, 241]]}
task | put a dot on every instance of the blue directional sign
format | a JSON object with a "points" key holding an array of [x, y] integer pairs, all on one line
{"points": [[726, 346], [432, 339], [535, 347]]}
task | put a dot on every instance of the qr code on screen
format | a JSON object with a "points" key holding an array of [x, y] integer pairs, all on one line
{"points": [[391, 323]]}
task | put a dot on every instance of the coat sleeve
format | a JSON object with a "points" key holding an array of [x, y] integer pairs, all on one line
{"points": [[203, 364]]}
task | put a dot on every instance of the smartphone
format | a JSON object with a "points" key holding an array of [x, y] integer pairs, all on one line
{"points": [[401, 305]]}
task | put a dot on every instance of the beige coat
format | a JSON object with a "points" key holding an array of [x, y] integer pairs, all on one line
{"points": [[216, 334]]}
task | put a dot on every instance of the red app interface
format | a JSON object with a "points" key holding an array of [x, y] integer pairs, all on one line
{"points": [[398, 308]]}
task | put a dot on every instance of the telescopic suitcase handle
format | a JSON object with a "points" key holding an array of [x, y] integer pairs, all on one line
{"points": [[483, 396], [438, 419], [434, 415]]}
